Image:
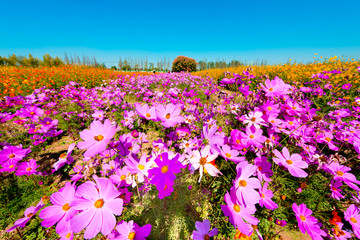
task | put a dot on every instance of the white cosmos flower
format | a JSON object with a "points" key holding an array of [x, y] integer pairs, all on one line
{"points": [[203, 160]]}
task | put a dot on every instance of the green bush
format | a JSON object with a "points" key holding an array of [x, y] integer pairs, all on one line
{"points": [[184, 64]]}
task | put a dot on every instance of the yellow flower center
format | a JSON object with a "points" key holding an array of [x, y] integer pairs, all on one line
{"points": [[99, 138], [272, 121], [293, 107], [68, 235], [11, 166], [99, 116], [123, 177], [206, 237], [66, 207], [302, 217], [99, 203], [141, 167], [165, 169], [253, 119], [228, 155], [242, 183], [353, 220], [29, 169], [30, 215], [32, 113], [328, 139], [63, 155], [131, 235], [238, 141], [167, 116], [340, 173], [252, 136], [187, 145], [236, 208], [260, 168], [289, 162], [11, 155], [262, 195], [202, 161], [291, 123], [147, 115], [271, 89], [269, 108], [47, 123]]}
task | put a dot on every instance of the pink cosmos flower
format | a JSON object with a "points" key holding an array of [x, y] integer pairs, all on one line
{"points": [[145, 111], [169, 115], [253, 136], [65, 158], [29, 213], [238, 214], [121, 177], [203, 231], [26, 168], [60, 212], [293, 163], [99, 203], [97, 138], [340, 234], [341, 173], [230, 154], [307, 223], [139, 167], [204, 160], [98, 115], [265, 197], [132, 231], [353, 217], [335, 188], [275, 88], [245, 184]]}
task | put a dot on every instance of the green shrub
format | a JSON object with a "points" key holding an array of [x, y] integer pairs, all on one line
{"points": [[184, 64]]}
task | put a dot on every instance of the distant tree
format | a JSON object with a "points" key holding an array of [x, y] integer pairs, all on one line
{"points": [[182, 63]]}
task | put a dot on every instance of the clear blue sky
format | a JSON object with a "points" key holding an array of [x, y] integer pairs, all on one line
{"points": [[247, 30]]}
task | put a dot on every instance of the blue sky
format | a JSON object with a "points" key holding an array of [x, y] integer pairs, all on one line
{"points": [[246, 30]]}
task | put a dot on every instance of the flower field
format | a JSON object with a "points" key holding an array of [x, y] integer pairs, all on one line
{"points": [[22, 81], [253, 153]]}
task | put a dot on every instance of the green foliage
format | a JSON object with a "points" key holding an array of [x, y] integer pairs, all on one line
{"points": [[184, 64]]}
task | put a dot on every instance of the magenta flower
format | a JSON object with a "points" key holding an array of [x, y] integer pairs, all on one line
{"points": [[265, 198], [293, 163], [169, 115], [15, 153], [97, 138], [165, 170], [340, 234], [353, 217], [132, 231], [9, 166], [99, 203], [203, 231], [238, 214], [26, 168], [263, 171], [335, 188], [60, 212], [253, 136], [307, 223], [29, 213]]}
